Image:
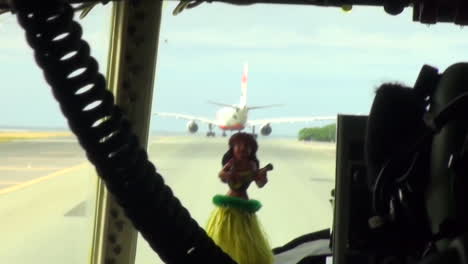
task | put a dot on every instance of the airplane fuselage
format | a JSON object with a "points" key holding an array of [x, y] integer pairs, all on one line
{"points": [[232, 118]]}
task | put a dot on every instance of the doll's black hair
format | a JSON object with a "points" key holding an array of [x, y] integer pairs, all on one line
{"points": [[249, 139]]}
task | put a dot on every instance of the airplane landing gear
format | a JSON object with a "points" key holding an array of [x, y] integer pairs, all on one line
{"points": [[253, 132], [210, 132]]}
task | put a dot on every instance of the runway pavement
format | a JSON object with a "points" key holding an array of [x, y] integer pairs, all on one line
{"points": [[47, 188], [44, 202], [25, 160]]}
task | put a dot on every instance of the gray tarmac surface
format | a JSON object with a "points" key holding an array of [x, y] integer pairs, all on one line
{"points": [[47, 190]]}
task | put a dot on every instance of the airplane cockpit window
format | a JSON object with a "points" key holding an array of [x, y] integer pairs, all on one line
{"points": [[285, 72], [47, 186]]}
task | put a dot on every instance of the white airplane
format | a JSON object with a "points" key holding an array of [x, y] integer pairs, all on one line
{"points": [[235, 117]]}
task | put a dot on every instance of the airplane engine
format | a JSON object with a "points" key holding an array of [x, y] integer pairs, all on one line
{"points": [[265, 130], [192, 127]]}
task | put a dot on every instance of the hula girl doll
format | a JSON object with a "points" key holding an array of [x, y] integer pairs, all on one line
{"points": [[233, 225]]}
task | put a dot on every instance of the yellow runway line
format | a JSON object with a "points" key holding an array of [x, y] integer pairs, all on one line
{"points": [[5, 168], [43, 178], [9, 182], [40, 158]]}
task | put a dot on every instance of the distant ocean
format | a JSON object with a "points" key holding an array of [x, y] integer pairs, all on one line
{"points": [[152, 133], [26, 129]]}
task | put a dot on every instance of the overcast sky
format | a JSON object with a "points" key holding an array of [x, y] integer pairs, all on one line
{"points": [[315, 61]]}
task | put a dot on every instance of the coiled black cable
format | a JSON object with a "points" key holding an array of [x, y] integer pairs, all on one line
{"points": [[106, 135]]}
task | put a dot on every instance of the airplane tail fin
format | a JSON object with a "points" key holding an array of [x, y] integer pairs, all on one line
{"points": [[243, 99]]}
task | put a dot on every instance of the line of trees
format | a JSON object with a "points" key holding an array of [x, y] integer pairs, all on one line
{"points": [[326, 133]]}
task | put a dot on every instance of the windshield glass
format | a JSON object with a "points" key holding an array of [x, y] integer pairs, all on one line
{"points": [[47, 186], [306, 61]]}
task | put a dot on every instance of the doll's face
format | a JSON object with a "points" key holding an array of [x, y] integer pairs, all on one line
{"points": [[241, 150]]}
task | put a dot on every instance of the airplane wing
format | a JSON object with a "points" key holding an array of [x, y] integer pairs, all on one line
{"points": [[187, 117], [289, 120]]}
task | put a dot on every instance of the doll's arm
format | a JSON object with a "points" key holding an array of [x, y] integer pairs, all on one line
{"points": [[225, 173], [261, 177], [224, 176]]}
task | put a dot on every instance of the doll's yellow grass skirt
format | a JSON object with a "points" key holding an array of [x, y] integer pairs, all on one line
{"points": [[234, 227]]}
